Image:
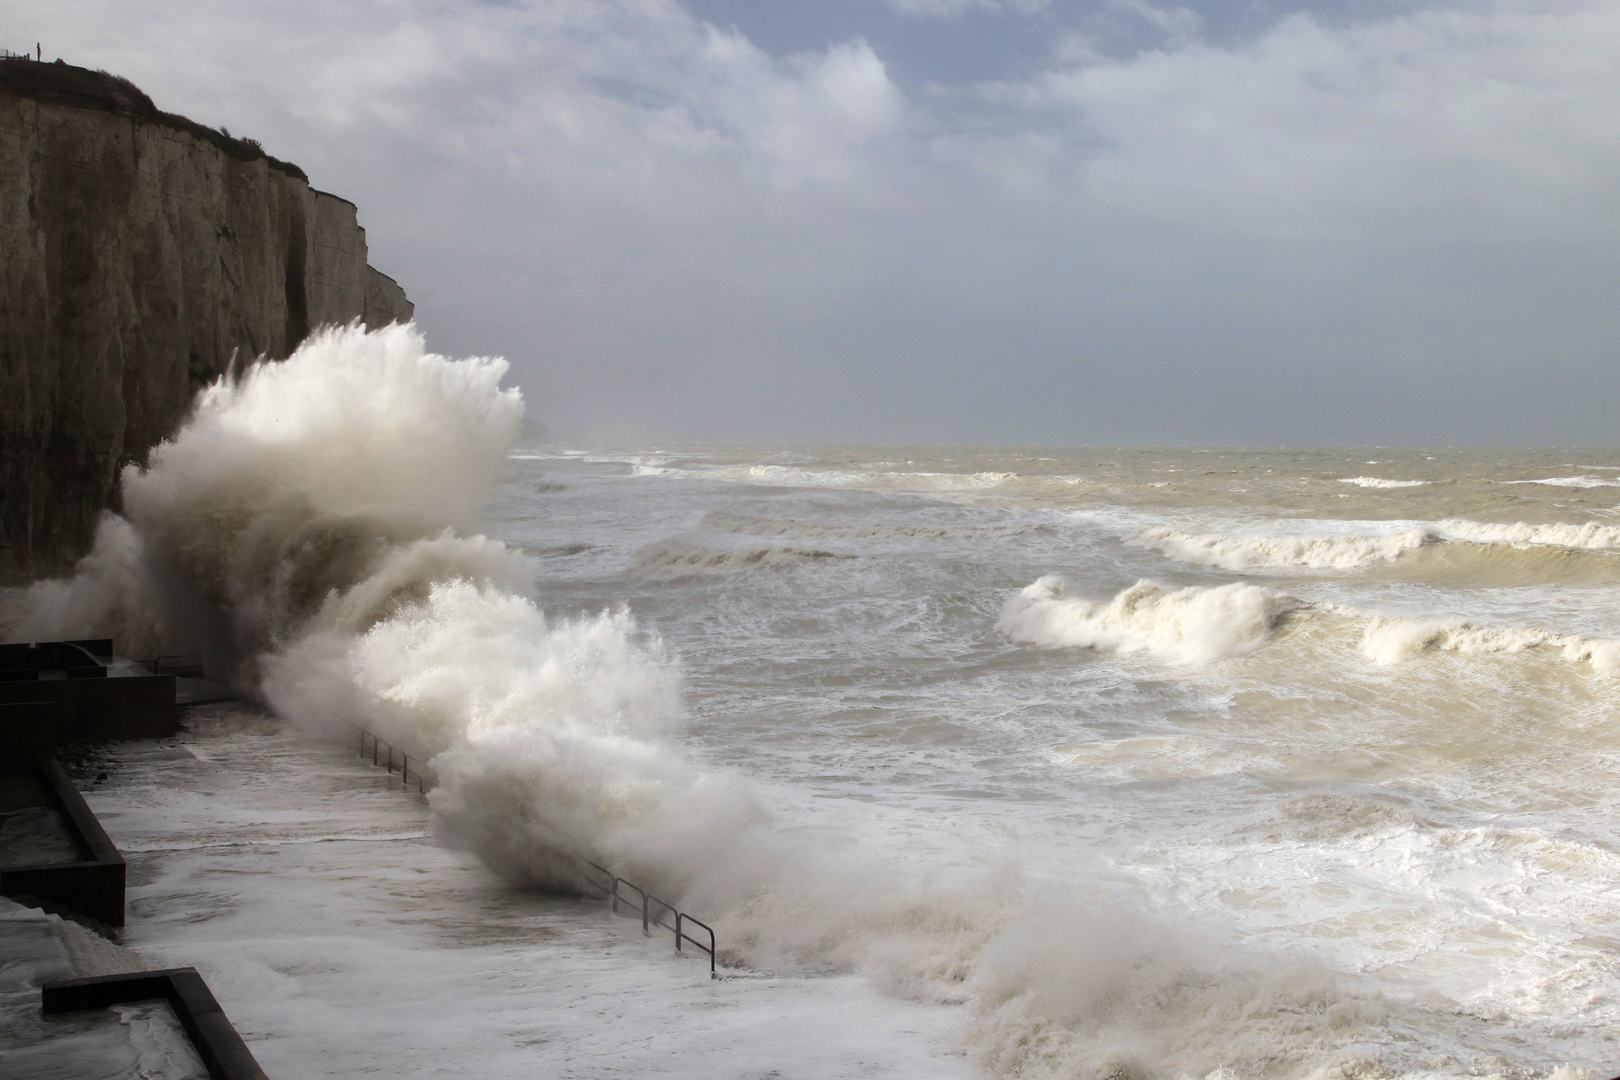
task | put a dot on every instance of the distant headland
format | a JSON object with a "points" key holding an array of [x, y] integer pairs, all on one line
{"points": [[141, 252]]}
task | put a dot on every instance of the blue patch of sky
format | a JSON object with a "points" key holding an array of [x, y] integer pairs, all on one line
{"points": [[979, 43]]}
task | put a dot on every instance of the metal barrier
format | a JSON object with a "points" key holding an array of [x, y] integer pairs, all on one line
{"points": [[383, 753], [644, 908]]}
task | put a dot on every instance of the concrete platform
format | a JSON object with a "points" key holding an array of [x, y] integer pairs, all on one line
{"points": [[216, 1042], [133, 1039], [52, 848], [98, 696]]}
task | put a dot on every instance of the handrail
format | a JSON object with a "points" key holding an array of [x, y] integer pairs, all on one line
{"points": [[183, 664], [377, 747], [680, 918], [384, 753], [649, 920]]}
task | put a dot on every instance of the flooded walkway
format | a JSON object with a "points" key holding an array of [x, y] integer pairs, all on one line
{"points": [[342, 941]]}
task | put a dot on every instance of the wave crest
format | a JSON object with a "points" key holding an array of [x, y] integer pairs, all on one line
{"points": [[1378, 482], [1590, 536], [1571, 481], [1191, 626], [1463, 553], [1252, 552], [1394, 640]]}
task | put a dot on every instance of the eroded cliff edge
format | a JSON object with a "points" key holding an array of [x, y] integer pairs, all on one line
{"points": [[139, 253]]}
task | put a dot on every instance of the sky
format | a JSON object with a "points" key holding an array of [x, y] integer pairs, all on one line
{"points": [[980, 221]]}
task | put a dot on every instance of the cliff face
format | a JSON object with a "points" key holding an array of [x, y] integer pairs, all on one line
{"points": [[140, 253]]}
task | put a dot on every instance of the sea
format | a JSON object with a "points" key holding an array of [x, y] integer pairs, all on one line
{"points": [[1125, 762]]}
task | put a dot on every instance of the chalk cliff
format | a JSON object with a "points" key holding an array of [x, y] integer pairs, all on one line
{"points": [[139, 253]]}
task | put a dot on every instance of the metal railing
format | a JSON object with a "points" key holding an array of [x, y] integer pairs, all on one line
{"points": [[184, 666], [385, 754], [644, 907], [643, 903]]}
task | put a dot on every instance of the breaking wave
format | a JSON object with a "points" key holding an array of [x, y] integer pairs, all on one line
{"points": [[1590, 536], [1239, 552], [1376, 482], [1571, 481], [1131, 1010], [301, 530], [1200, 625], [1191, 626], [322, 491], [1456, 553], [1394, 640]]}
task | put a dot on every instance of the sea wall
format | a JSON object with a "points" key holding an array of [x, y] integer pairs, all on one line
{"points": [[140, 254]]}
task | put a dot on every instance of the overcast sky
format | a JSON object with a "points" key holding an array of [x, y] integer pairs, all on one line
{"points": [[956, 220]]}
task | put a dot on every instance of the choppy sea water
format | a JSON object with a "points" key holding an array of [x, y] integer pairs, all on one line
{"points": [[1115, 762], [1234, 718]]}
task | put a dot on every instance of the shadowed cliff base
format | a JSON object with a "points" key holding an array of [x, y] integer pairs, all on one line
{"points": [[144, 253]]}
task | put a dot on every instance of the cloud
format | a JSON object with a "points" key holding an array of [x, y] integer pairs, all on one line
{"points": [[1455, 125], [1391, 230]]}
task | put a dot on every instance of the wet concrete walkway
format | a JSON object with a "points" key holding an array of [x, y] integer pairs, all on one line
{"points": [[342, 941]]}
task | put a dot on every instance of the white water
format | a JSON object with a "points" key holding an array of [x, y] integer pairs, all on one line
{"points": [[1015, 733], [1378, 482], [1284, 552], [1573, 481], [1191, 626]]}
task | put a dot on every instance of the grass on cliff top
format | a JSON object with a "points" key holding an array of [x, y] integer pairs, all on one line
{"points": [[64, 84]]}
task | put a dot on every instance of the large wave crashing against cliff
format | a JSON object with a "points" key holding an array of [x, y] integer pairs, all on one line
{"points": [[322, 490], [301, 531]]}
